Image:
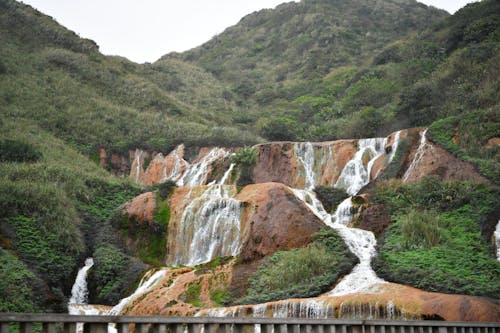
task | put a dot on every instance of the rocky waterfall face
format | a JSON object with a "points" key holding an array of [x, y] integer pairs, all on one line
{"points": [[211, 217]]}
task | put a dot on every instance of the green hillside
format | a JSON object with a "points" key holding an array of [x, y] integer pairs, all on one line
{"points": [[314, 70]]}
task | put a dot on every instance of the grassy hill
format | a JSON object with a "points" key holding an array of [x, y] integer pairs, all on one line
{"points": [[314, 70]]}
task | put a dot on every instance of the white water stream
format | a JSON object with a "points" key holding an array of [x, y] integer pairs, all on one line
{"points": [[79, 291], [418, 155], [354, 176], [209, 227], [196, 173], [497, 239]]}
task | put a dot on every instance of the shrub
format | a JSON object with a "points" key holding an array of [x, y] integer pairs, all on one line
{"points": [[18, 151], [17, 285], [245, 159], [330, 197], [436, 242], [420, 229]]}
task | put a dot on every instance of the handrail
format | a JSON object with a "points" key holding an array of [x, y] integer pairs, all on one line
{"points": [[66, 318], [64, 323]]}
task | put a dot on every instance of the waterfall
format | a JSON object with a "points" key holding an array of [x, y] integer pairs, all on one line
{"points": [[147, 282], [138, 167], [497, 239], [356, 172], [304, 152], [394, 146], [176, 172], [209, 227], [354, 176], [227, 174], [196, 173], [418, 155], [79, 291]]}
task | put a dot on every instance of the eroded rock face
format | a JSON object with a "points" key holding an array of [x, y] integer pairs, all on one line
{"points": [[283, 162], [427, 158], [141, 208], [182, 291], [274, 219], [374, 218], [388, 301]]}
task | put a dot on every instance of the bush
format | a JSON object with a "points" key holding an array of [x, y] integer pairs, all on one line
{"points": [[245, 159], [17, 285], [420, 229], [303, 272], [17, 151], [330, 197]]}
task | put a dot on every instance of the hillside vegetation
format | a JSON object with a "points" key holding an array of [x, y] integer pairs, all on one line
{"points": [[314, 70]]}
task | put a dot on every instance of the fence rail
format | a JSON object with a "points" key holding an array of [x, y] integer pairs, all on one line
{"points": [[62, 323]]}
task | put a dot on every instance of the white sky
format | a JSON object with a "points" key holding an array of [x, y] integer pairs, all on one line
{"points": [[145, 30]]}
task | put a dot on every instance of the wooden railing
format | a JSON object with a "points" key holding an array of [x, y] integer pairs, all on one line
{"points": [[62, 323]]}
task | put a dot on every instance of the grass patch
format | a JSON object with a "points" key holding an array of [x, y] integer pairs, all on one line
{"points": [[302, 272], [436, 241]]}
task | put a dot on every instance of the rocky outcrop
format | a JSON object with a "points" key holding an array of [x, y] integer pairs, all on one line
{"points": [[141, 208], [284, 162], [388, 301], [182, 291], [430, 159], [273, 220], [374, 218]]}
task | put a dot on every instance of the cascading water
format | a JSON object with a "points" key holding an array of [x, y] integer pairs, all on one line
{"points": [[361, 242], [177, 171], [138, 166], [304, 152], [147, 282], [418, 156], [196, 174], [394, 146], [209, 227], [79, 291], [356, 172], [497, 239], [226, 175]]}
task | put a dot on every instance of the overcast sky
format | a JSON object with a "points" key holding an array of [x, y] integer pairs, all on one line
{"points": [[145, 30]]}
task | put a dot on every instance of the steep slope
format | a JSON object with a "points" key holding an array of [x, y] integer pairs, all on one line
{"points": [[50, 75], [302, 41]]}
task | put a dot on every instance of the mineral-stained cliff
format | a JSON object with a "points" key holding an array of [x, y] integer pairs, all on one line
{"points": [[211, 218]]}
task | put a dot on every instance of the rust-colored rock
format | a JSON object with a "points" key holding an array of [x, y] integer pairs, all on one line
{"points": [[278, 162], [169, 167], [493, 142], [141, 208], [170, 295], [102, 157], [274, 219], [374, 218], [385, 301], [430, 159], [275, 163]]}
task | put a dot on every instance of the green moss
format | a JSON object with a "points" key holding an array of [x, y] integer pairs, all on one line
{"points": [[193, 294]]}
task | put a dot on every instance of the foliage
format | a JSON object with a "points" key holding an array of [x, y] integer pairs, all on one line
{"points": [[110, 263], [18, 286], [442, 250], [466, 136], [193, 294], [245, 159], [420, 229], [330, 197], [302, 272], [16, 151]]}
